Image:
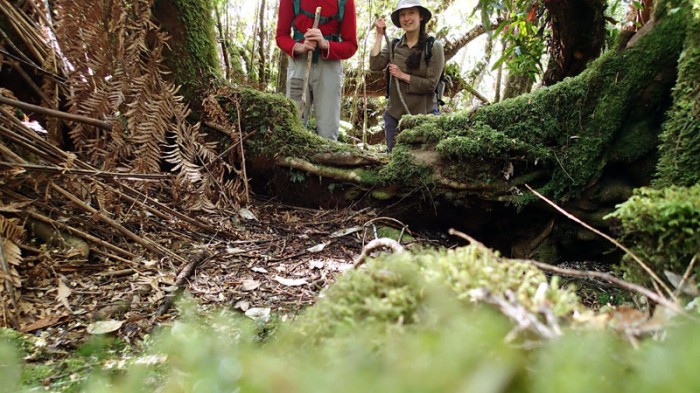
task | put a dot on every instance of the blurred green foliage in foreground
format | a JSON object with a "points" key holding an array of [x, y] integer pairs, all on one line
{"points": [[405, 323]]}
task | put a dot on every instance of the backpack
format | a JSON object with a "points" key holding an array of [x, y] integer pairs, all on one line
{"points": [[298, 35], [427, 55]]}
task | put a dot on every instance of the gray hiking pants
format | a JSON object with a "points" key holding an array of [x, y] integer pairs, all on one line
{"points": [[325, 89]]}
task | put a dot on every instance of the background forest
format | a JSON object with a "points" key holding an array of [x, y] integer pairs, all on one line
{"points": [[168, 224]]}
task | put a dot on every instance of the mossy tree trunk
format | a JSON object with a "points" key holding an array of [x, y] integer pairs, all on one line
{"points": [[193, 55], [680, 148]]}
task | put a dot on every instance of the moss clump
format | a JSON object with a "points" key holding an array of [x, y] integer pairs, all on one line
{"points": [[403, 169], [272, 122], [383, 295], [664, 228], [398, 290], [679, 163], [483, 142], [467, 268], [634, 141]]}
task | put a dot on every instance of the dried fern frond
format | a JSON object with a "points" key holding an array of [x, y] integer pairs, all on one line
{"points": [[116, 52], [10, 254]]}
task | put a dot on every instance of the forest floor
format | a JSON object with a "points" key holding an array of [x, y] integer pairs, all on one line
{"points": [[269, 259]]}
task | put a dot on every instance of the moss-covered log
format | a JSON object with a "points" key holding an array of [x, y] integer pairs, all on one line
{"points": [[585, 142]]}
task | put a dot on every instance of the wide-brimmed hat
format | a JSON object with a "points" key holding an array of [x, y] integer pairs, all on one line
{"points": [[403, 4]]}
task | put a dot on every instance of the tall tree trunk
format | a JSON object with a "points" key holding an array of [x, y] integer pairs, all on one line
{"points": [[578, 35], [192, 46], [261, 45], [224, 44]]}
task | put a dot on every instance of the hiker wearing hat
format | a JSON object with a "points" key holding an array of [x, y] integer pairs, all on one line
{"points": [[413, 79], [333, 40]]}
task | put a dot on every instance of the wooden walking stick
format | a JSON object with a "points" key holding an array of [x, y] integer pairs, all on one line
{"points": [[309, 59], [394, 79]]}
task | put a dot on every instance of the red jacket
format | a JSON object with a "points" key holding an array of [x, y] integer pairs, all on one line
{"points": [[347, 29]]}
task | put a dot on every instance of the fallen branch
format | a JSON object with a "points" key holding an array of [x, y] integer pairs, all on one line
{"points": [[611, 279], [320, 170], [184, 274], [606, 237], [86, 172], [587, 274], [476, 94], [147, 243], [80, 233], [54, 113], [6, 277]]}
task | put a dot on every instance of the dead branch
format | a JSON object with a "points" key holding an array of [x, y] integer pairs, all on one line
{"points": [[183, 276], [242, 153], [329, 172], [7, 281], [77, 232], [587, 274], [609, 278], [86, 172], [476, 93], [524, 319], [606, 237], [146, 243], [54, 113]]}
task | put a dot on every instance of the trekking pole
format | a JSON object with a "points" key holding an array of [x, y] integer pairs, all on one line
{"points": [[309, 59], [396, 81]]}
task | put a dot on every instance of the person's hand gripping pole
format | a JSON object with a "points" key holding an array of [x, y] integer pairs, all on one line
{"points": [[309, 60], [380, 24]]}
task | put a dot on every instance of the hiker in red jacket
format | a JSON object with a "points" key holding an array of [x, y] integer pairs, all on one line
{"points": [[334, 40]]}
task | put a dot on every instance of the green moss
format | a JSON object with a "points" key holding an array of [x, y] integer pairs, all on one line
{"points": [[680, 148], [403, 169], [663, 227], [483, 142], [398, 290], [396, 234], [272, 121], [634, 141], [193, 59]]}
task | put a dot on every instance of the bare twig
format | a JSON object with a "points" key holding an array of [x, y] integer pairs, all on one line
{"points": [[242, 152], [146, 243], [86, 172], [611, 279], [686, 275], [80, 233], [606, 237], [383, 242]]}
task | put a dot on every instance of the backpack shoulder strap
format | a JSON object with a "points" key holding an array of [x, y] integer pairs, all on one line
{"points": [[297, 7], [341, 9], [428, 54]]}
